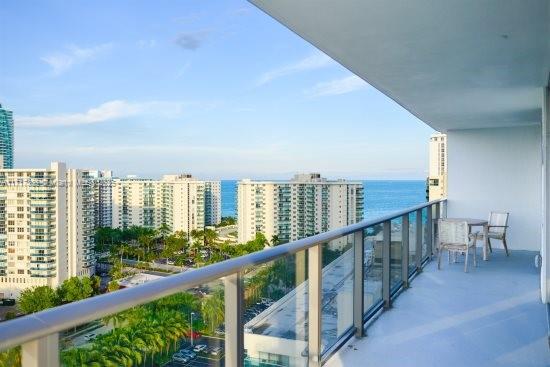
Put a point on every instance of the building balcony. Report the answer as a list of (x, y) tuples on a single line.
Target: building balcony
[(476, 70)]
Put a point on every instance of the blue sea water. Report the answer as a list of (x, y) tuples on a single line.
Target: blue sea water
[(381, 197)]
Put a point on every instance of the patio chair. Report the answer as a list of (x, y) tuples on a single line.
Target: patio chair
[(455, 237), (498, 224)]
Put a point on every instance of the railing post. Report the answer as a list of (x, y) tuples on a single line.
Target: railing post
[(418, 251), (43, 352), (234, 334), (358, 282), (386, 253), (429, 232), (435, 227), (315, 293), (405, 251)]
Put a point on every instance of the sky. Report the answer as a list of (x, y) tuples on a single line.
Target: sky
[(213, 88)]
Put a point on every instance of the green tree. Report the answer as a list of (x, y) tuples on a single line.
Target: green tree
[(227, 221), (113, 286), (213, 310), (37, 299), (75, 289), (11, 357), (96, 284)]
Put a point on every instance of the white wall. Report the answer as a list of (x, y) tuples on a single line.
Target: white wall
[(498, 169)]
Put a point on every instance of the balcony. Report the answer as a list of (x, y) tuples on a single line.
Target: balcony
[(489, 316), (476, 70), (357, 283)]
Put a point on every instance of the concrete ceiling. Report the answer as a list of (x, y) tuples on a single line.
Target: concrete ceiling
[(455, 64)]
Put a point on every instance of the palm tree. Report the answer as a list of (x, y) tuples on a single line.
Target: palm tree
[(213, 310), (11, 357), (83, 357)]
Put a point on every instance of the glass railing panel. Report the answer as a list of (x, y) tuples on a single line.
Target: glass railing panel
[(412, 242), (396, 252), (275, 312), (186, 327), (337, 284), (373, 267)]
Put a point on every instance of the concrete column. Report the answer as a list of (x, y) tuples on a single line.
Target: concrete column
[(545, 240), (43, 352)]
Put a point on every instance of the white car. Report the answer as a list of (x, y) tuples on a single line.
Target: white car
[(188, 352), (199, 348), (216, 351), (89, 337), (180, 357)]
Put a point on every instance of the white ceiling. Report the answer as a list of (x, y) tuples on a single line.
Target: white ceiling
[(455, 64)]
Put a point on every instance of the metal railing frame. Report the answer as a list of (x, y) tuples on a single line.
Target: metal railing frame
[(37, 333)]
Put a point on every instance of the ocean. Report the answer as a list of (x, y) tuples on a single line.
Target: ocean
[(381, 197)]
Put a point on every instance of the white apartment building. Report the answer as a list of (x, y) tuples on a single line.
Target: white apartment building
[(437, 171), (306, 205), (213, 203), (46, 227), (102, 186), (179, 201)]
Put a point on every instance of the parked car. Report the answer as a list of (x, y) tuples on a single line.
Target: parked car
[(90, 336), (199, 348), (189, 353), (180, 357), (7, 302), (216, 351), (170, 262)]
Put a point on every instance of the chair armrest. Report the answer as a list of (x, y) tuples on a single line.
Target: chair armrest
[(490, 226)]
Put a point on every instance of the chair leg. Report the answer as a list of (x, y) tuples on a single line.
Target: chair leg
[(505, 245), (490, 247), (475, 255), (466, 260), (439, 259)]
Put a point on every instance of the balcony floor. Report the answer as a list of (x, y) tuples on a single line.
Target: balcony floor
[(491, 316)]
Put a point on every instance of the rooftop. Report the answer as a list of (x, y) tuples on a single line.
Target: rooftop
[(491, 316)]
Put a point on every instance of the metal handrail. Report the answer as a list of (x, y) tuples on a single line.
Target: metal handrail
[(34, 326)]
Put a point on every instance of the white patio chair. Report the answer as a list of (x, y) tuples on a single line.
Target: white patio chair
[(455, 237), (498, 224)]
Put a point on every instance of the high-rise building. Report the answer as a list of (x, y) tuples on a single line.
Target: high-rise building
[(6, 137), (102, 182), (80, 223), (306, 205), (178, 201), (212, 203), (437, 172), (46, 224)]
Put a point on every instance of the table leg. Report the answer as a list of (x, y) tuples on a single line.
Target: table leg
[(485, 242)]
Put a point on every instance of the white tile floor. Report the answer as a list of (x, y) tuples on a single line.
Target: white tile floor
[(491, 316)]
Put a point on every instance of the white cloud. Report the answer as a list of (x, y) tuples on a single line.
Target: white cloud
[(316, 61), (60, 62), (338, 86), (112, 110)]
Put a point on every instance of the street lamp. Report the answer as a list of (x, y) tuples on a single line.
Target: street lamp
[(192, 314)]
